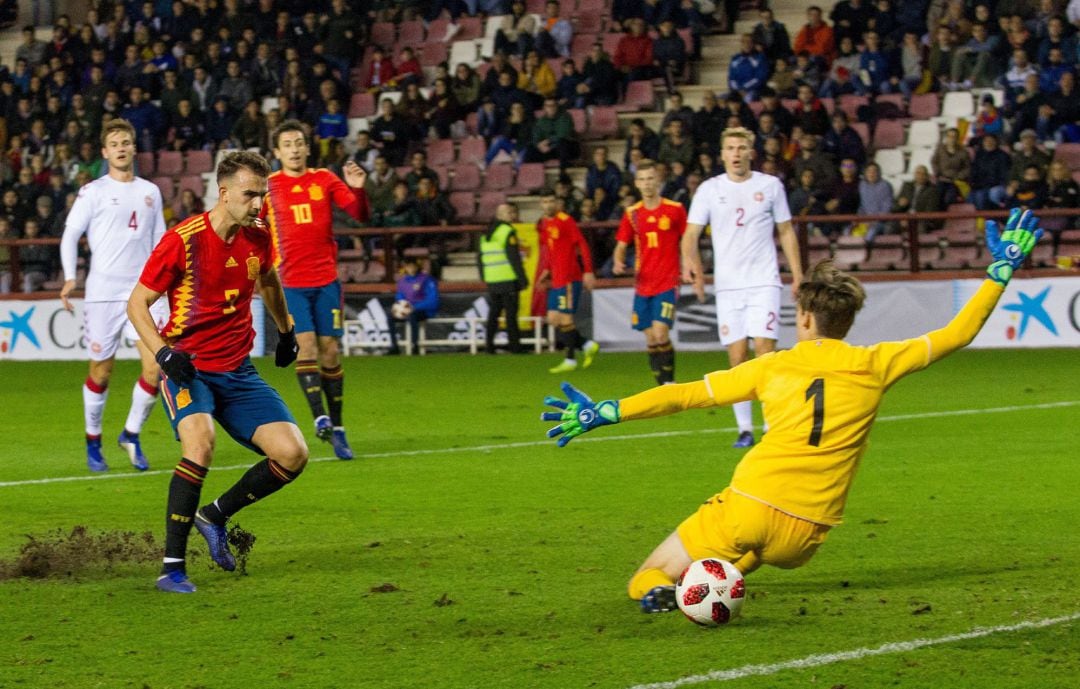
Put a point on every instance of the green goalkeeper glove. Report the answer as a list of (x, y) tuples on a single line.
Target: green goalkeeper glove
[(579, 415), (1010, 248)]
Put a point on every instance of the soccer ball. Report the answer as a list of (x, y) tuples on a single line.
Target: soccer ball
[(710, 592), (401, 309)]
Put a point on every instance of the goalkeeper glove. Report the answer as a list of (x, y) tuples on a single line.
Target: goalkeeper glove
[(1010, 248), (287, 348), (176, 365), (579, 415)]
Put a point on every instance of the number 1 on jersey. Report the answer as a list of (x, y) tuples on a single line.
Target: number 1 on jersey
[(817, 392)]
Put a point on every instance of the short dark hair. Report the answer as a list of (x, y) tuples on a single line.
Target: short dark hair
[(234, 161), (288, 126)]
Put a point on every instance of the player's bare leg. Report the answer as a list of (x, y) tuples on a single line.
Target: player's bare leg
[(661, 352), (333, 386), (95, 391), (654, 582), (144, 395), (307, 373)]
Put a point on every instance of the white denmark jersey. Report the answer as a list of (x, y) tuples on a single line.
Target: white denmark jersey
[(741, 216), (123, 223)]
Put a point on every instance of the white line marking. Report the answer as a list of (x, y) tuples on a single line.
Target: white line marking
[(539, 443), (817, 660)]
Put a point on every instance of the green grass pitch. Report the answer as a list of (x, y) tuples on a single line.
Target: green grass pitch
[(508, 558)]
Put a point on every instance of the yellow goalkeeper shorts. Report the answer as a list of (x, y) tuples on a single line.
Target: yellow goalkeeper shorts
[(730, 525)]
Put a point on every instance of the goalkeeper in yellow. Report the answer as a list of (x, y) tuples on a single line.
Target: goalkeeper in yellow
[(820, 398)]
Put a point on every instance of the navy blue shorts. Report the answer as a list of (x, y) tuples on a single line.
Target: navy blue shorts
[(316, 309), (564, 299), (659, 307), (240, 400)]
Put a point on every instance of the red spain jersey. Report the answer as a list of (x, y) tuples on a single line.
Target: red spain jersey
[(209, 283), (656, 234), (565, 244), (300, 215)]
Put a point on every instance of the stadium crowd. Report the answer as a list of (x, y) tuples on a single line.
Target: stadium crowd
[(208, 75)]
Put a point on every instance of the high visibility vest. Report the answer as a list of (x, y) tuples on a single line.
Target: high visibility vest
[(493, 259)]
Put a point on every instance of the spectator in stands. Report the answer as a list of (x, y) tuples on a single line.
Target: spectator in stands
[(204, 86), (707, 122), (443, 110), (739, 113), (676, 110), (50, 222), (602, 182), (816, 37), (675, 146), (843, 197), (390, 133), (536, 79), (1064, 111), (38, 261), (974, 63), (407, 71), (669, 54), (875, 198), (365, 152), (810, 157), (771, 36), (31, 49), (568, 196), (432, 206), (380, 71), (1062, 191), (402, 213), (466, 87), (555, 33), (1023, 107), (332, 124), (1051, 72), (419, 170), (553, 136), (990, 173), (773, 152), (422, 292), (874, 73), (952, 167), (771, 105), (634, 54), (412, 108), (988, 120), (768, 129), (601, 77), (571, 90), (939, 62), (12, 208), (515, 35), (748, 70), (1019, 69), (810, 115), (808, 197), (843, 77), (187, 205), (186, 130), (172, 92), (920, 195), (235, 86), (380, 186), (587, 212), (514, 137), (507, 93), (1026, 155), (842, 141), (1056, 37), (219, 123), (5, 256), (499, 64), (1030, 191), (851, 19)]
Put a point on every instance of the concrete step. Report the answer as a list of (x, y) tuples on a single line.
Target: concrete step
[(459, 274)]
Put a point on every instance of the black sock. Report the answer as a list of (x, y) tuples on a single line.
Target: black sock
[(654, 365), (333, 386), (307, 372), (665, 356), (184, 490), (265, 478), (571, 339)]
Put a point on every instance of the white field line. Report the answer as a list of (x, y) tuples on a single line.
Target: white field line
[(820, 659), (538, 443)]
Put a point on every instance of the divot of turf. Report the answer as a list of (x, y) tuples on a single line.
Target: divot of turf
[(61, 553), (241, 542)]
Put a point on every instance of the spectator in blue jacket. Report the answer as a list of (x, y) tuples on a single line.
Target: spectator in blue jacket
[(421, 291), (748, 70), (669, 53), (602, 182), (841, 141), (874, 65)]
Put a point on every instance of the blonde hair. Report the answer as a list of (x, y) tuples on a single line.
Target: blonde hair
[(833, 296), (737, 133), (117, 125)]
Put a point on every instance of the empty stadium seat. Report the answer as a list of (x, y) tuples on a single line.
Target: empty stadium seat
[(863, 130), (895, 99), (890, 160), (530, 178), (850, 104), (440, 152), (640, 95), (600, 6), (170, 163), (956, 257), (466, 177), (886, 252), (472, 150), (464, 203), (957, 104), (431, 54), (410, 35), (194, 183), (920, 156), (144, 164), (383, 34), (463, 52), (580, 121), (362, 104), (1069, 154), (960, 230), (819, 249), (924, 106), (582, 42), (888, 134), (923, 134), (850, 253), (603, 122), (499, 177), (470, 28), (167, 187), (198, 162), (587, 23), (486, 205)]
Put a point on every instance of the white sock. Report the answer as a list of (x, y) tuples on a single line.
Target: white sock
[(142, 402), (744, 416), (93, 408)]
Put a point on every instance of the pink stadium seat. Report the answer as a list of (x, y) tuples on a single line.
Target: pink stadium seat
[(431, 54), (581, 44), (198, 162), (819, 249), (850, 253), (440, 152), (436, 30), (1069, 245), (472, 122), (362, 104), (960, 230), (790, 104), (888, 134), (170, 163), (145, 164), (486, 205), (611, 42), (588, 23), (603, 123), (850, 104), (956, 257), (1068, 154), (194, 183), (472, 150), (924, 106), (464, 203), (535, 6), (471, 28), (383, 34), (896, 99), (639, 96), (499, 177), (530, 177), (443, 172), (592, 6), (580, 123), (166, 185), (886, 253), (411, 34), (1042, 256), (829, 104), (466, 177), (688, 40), (863, 129)]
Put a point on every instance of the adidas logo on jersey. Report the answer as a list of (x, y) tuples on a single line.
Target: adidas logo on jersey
[(296, 189), (231, 263)]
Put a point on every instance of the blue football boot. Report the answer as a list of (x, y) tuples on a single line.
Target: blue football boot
[(341, 445), (218, 541), (324, 428), (129, 443), (746, 439), (95, 461), (659, 599), (175, 581)]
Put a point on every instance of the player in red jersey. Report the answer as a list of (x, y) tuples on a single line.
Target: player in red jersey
[(656, 226), (569, 265), (299, 209), (210, 265)]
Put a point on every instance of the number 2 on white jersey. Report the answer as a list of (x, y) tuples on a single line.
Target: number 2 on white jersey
[(740, 213)]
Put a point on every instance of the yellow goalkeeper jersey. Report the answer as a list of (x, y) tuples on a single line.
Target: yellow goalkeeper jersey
[(819, 400)]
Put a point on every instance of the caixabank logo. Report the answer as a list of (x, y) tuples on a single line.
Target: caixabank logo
[(16, 331), (1030, 308)]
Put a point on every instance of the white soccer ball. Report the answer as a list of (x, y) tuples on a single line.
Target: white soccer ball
[(710, 592), (401, 309)]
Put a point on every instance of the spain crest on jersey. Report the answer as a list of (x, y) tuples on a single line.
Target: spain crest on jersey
[(315, 192), (665, 222), (253, 267)]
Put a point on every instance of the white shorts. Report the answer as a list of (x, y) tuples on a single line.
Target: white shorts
[(104, 322), (750, 312)]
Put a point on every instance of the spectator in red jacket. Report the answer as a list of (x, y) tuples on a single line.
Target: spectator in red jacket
[(816, 37), (408, 70), (634, 54), (380, 71)]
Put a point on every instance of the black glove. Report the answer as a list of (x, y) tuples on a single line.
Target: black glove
[(176, 365), (287, 348)]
